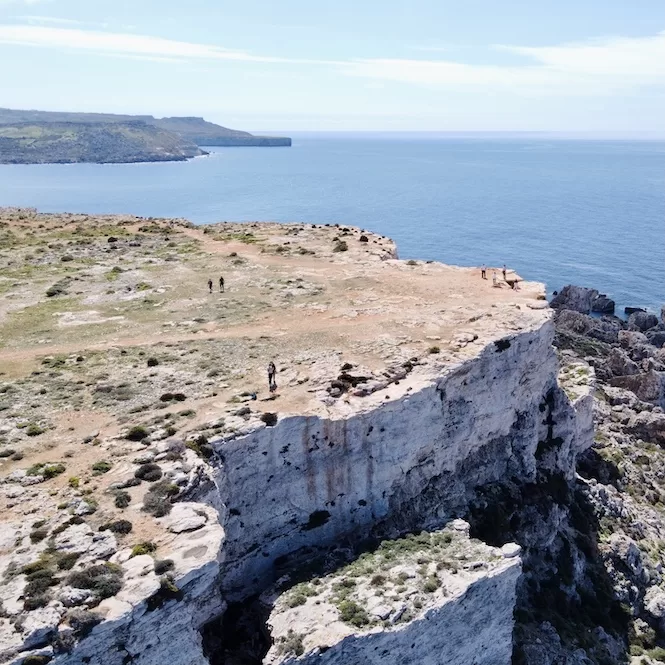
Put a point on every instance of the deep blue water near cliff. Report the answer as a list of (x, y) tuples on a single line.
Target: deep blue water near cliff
[(558, 211)]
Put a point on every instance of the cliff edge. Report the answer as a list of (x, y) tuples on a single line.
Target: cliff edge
[(158, 502)]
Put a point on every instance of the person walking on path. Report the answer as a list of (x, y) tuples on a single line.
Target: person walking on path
[(221, 285), (210, 285), (504, 272), (483, 271), (272, 370)]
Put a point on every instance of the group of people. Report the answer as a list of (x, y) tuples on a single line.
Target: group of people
[(272, 370), (221, 285), (495, 280)]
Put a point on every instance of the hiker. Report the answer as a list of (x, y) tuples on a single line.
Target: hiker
[(210, 285), (483, 271), (272, 370), (221, 285), (504, 272), (494, 278)]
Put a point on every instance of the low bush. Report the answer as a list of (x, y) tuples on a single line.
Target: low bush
[(122, 527), (164, 566), (270, 419), (150, 472), (38, 535), (145, 547), (104, 580), (83, 621), (137, 433), (122, 499), (351, 612), (101, 467)]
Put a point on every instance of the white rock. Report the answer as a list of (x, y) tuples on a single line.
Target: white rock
[(40, 624), (184, 517), (71, 597), (510, 550), (138, 566)]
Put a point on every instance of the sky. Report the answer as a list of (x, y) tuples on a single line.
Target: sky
[(371, 65)]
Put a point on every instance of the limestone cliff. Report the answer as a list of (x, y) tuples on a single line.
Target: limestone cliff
[(397, 493)]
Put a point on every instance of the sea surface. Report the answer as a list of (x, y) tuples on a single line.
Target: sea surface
[(588, 212)]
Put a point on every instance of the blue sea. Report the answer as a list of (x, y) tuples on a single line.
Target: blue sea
[(588, 212)]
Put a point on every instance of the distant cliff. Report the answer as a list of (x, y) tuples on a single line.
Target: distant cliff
[(192, 129), (100, 142)]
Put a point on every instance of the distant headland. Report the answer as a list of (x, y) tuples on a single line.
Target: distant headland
[(45, 137)]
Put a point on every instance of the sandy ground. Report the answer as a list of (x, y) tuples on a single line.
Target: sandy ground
[(310, 298)]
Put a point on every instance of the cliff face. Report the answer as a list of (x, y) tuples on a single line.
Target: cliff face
[(413, 460)]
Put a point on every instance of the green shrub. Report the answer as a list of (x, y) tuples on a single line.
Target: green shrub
[(152, 362), (101, 467), (150, 472), (137, 433), (35, 602), (168, 590), (340, 246), (74, 482), (296, 600), (104, 580), (291, 644), (36, 659), (378, 580), (122, 499), (201, 447), (38, 535), (122, 527), (351, 612), (156, 505), (431, 584), (34, 430), (434, 349), (270, 419), (66, 560), (143, 548), (83, 621), (164, 566)]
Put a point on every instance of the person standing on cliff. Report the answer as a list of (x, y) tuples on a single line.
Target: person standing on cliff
[(210, 285), (272, 370), (504, 272), (483, 271), (221, 285)]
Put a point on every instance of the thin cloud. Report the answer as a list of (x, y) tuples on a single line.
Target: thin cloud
[(600, 66), (111, 43), (49, 19), (595, 66), (23, 2)]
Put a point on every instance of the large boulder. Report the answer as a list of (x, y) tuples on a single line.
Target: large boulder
[(577, 298), (603, 305), (643, 320), (648, 386), (649, 426), (656, 338), (620, 364)]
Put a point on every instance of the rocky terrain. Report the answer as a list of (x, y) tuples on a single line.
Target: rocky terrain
[(423, 482), (621, 478), (102, 143)]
